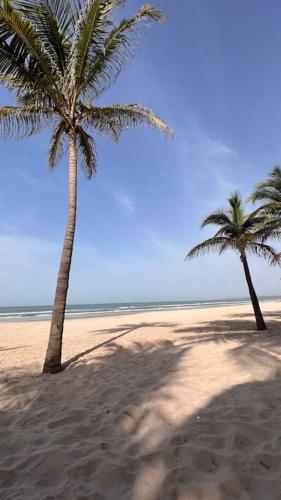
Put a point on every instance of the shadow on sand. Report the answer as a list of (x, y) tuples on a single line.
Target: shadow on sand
[(100, 429), (122, 331)]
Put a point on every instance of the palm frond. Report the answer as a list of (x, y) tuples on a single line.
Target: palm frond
[(254, 220), (23, 82), (23, 122), (52, 19), (264, 251), (219, 218), (36, 99), (23, 56), (87, 153), (58, 144), (270, 229), (270, 189), (235, 200), (15, 75), (15, 25), (236, 209), (228, 231), (272, 209), (216, 244), (266, 193), (113, 120), (88, 38), (21, 77), (117, 49)]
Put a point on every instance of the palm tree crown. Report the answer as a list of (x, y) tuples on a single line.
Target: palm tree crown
[(239, 231), (269, 191), (58, 57)]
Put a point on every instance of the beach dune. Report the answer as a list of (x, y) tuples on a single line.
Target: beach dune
[(178, 405)]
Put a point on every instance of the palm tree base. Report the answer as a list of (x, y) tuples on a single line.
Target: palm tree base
[(52, 369), (262, 328)]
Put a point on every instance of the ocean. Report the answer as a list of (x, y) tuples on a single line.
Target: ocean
[(31, 313)]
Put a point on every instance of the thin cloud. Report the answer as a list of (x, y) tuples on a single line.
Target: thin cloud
[(124, 200), (211, 169), (126, 203)]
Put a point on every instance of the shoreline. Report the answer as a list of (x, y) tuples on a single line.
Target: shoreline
[(104, 314)]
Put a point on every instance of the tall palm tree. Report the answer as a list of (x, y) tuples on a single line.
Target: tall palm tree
[(244, 233), (58, 57)]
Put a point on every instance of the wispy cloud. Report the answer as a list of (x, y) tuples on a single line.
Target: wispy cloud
[(125, 200), (210, 169), (126, 203)]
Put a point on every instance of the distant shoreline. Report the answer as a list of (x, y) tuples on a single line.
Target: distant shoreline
[(43, 313)]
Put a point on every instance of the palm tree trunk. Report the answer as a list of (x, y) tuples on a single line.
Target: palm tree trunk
[(255, 302), (53, 356)]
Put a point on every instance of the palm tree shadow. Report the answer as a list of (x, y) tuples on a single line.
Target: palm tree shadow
[(229, 330), (228, 449), (124, 329), (268, 314), (106, 424), (13, 348), (249, 347), (83, 421)]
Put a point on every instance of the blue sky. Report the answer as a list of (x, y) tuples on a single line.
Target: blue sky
[(212, 70)]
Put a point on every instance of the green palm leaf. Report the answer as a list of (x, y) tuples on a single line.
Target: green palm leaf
[(264, 251), (113, 120), (88, 37), (52, 19), (23, 122), (217, 244), (27, 36), (270, 189), (219, 218), (58, 144), (87, 151), (117, 49)]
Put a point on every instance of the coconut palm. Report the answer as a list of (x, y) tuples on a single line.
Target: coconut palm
[(58, 57), (245, 234), (269, 192)]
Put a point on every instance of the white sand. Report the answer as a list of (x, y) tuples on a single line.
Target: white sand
[(182, 406)]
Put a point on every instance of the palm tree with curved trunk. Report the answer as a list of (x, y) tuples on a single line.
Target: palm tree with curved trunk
[(58, 57), (244, 233)]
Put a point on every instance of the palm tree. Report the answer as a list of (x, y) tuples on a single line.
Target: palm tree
[(245, 234), (58, 57), (269, 192)]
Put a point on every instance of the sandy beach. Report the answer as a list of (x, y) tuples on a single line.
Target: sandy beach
[(178, 405)]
